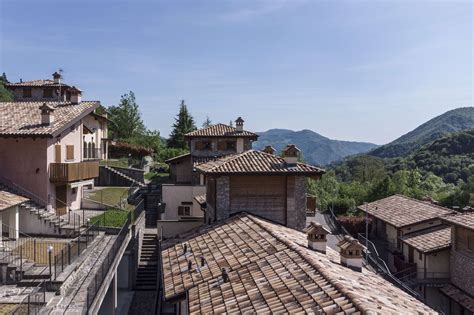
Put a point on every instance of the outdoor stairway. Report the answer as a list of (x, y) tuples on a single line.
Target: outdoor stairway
[(147, 267), (131, 180), (59, 223)]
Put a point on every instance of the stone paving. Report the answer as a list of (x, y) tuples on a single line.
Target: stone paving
[(74, 299)]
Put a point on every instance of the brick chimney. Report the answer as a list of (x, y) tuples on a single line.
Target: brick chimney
[(239, 124), (57, 77), (291, 154), (317, 237), (47, 116), (75, 95), (351, 253), (269, 149)]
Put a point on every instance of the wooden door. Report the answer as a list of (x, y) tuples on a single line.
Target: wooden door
[(61, 200)]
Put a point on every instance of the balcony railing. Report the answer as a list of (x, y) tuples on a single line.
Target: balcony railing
[(70, 172)]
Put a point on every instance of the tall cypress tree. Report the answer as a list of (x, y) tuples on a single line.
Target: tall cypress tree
[(183, 124), (207, 122)]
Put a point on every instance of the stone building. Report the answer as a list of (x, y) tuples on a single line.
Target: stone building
[(260, 183)]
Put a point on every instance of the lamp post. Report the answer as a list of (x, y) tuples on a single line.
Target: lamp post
[(50, 251)]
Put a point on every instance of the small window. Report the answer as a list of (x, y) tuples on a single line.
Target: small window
[(27, 92), (57, 153), (184, 210), (69, 152), (47, 93), (231, 145)]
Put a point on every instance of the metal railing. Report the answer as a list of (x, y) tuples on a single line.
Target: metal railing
[(23, 191), (32, 303), (74, 249), (99, 277)]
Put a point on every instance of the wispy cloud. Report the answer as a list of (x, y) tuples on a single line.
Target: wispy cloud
[(259, 8)]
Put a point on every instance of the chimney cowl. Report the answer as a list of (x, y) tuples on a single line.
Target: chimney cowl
[(269, 149), (76, 95), (316, 235), (57, 77), (47, 116), (351, 253), (239, 124), (291, 154)]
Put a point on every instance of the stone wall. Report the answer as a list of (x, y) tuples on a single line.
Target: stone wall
[(296, 202), (462, 265), (223, 197)]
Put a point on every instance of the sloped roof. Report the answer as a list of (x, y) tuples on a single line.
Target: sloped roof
[(220, 130), (430, 240), (400, 211), (24, 118), (270, 269), (459, 296), (200, 199), (256, 162), (465, 220), (8, 199), (37, 83)]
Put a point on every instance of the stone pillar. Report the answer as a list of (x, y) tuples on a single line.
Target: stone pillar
[(296, 202), (290, 202), (223, 197), (240, 145), (14, 222)]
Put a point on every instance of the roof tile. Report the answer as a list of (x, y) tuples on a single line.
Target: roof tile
[(220, 130)]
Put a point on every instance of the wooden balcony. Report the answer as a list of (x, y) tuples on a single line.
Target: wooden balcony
[(71, 172)]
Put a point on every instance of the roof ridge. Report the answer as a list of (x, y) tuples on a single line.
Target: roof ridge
[(424, 202), (229, 158)]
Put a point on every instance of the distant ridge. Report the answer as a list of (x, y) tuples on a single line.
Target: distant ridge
[(452, 121), (316, 148)]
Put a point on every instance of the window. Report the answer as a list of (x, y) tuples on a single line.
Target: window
[(57, 153), (420, 255), (69, 152), (47, 93), (231, 145), (184, 210), (27, 92), (203, 145)]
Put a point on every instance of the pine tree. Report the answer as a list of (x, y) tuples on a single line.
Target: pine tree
[(206, 122), (184, 123), (5, 95), (126, 117)]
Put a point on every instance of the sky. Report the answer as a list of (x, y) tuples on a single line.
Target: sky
[(349, 70)]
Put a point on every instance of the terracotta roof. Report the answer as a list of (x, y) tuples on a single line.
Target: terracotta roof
[(200, 199), (462, 219), (196, 160), (270, 269), (24, 118), (429, 240), (220, 130), (256, 162), (7, 200), (459, 296), (400, 211), (37, 83)]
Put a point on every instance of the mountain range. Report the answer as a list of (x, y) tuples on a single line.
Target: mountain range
[(316, 148), (321, 150)]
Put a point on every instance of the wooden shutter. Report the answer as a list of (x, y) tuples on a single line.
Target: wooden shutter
[(57, 153), (70, 152)]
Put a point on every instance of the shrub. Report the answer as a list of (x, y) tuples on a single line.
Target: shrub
[(352, 224)]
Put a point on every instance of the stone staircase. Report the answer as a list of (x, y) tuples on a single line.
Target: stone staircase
[(60, 225), (124, 176), (148, 265)]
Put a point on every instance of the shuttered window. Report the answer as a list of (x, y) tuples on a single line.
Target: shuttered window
[(69, 152), (184, 210), (57, 153)]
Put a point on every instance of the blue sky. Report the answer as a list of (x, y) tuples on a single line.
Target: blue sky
[(350, 70)]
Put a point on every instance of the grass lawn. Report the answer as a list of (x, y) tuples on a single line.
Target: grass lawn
[(111, 196), (122, 162), (157, 177), (111, 218)]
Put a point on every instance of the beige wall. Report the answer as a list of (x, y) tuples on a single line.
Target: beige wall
[(420, 226), (438, 263), (174, 195), (171, 228)]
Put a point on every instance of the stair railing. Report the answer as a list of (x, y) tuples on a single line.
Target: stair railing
[(17, 245), (23, 191)]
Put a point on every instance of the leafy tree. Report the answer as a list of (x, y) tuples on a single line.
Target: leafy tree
[(150, 139), (184, 123), (127, 121), (206, 122), (5, 95)]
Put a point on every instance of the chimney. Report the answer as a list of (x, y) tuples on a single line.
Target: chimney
[(75, 95), (269, 149), (56, 77), (47, 117), (291, 154), (239, 124), (317, 237), (190, 265), (351, 253)]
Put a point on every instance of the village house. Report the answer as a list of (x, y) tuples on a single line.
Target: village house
[(260, 183), (205, 145), (460, 290), (246, 264), (50, 151)]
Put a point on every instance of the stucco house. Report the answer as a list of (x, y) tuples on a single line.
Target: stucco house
[(49, 151)]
